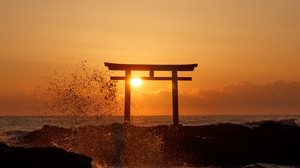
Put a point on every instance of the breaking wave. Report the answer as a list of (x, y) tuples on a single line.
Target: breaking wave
[(289, 122)]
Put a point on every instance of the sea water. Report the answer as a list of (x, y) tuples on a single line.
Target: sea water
[(30, 123)]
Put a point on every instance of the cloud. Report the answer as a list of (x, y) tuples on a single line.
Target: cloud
[(279, 97)]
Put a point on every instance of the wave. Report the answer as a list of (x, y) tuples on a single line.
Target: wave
[(265, 165), (289, 122), (12, 137)]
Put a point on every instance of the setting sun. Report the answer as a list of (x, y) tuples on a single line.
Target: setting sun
[(136, 82)]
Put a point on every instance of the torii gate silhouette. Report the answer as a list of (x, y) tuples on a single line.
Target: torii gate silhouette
[(151, 68)]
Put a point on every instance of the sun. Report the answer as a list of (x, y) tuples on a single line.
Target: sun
[(136, 82)]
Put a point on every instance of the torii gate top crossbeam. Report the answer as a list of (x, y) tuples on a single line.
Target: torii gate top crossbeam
[(151, 68)]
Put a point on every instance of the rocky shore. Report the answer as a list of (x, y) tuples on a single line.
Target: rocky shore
[(37, 157), (225, 145)]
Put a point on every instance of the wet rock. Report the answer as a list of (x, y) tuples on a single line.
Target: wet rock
[(3, 146), (50, 157), (224, 145)]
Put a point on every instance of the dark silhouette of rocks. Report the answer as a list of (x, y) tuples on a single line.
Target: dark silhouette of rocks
[(50, 157), (223, 145), (3, 146)]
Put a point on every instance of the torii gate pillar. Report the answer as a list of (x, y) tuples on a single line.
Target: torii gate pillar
[(175, 98), (127, 97), (151, 68)]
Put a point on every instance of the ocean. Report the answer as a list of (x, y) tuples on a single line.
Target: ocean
[(30, 123), (52, 130)]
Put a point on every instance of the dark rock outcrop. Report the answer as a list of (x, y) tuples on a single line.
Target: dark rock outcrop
[(50, 157), (230, 145), (224, 145)]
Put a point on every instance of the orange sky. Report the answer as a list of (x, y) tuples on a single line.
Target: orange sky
[(232, 41)]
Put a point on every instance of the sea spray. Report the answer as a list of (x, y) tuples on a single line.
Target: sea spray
[(78, 91), (114, 145)]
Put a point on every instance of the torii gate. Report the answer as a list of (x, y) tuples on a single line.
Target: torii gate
[(151, 68)]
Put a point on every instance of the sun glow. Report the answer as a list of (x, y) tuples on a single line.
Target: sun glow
[(136, 82)]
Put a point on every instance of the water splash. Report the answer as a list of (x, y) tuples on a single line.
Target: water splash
[(84, 91), (114, 145), (78, 91)]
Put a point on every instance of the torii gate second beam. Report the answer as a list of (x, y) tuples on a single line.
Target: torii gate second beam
[(151, 68)]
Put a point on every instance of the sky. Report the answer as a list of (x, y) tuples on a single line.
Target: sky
[(247, 51)]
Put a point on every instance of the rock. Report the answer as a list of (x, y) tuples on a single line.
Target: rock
[(221, 145), (3, 146), (50, 157)]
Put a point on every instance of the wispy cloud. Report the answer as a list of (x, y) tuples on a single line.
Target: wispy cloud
[(279, 97)]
